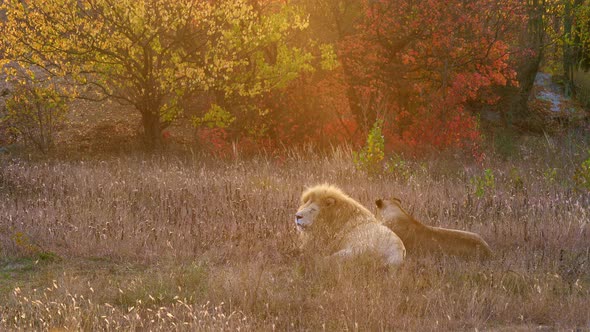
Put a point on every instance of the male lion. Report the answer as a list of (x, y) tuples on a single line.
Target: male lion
[(419, 238), (337, 225)]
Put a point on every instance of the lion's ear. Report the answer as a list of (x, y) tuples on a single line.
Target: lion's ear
[(306, 198), (330, 201), (399, 201), (379, 203)]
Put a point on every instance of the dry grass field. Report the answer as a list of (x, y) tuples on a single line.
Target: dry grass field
[(194, 243)]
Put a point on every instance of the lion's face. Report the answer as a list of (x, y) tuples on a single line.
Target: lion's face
[(309, 211), (390, 212)]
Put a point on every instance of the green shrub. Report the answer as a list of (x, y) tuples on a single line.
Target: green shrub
[(398, 166), (371, 157), (516, 180), (483, 184), (582, 175), (550, 174)]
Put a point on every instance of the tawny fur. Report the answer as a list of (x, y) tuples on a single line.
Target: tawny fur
[(419, 238), (345, 228)]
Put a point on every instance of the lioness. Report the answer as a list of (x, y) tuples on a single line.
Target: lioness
[(419, 238), (336, 225)]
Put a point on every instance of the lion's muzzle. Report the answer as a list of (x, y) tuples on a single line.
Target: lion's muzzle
[(299, 221)]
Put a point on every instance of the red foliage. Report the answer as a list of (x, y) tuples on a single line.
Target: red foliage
[(215, 141), (344, 131), (418, 63)]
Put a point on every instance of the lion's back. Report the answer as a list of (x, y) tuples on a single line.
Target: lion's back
[(459, 242), (377, 238)]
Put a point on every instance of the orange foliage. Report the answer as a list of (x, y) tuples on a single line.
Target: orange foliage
[(416, 64)]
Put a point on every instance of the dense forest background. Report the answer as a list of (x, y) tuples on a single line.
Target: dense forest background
[(252, 75)]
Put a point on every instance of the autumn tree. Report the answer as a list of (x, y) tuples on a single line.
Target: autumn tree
[(419, 63), (151, 53), (279, 117), (333, 21)]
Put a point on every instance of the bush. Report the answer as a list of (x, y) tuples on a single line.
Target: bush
[(582, 175), (483, 184), (398, 166), (370, 158), (36, 113)]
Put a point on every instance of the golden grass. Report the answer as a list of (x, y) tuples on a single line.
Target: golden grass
[(190, 243)]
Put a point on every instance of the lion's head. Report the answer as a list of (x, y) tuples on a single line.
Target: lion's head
[(324, 207), (391, 213)]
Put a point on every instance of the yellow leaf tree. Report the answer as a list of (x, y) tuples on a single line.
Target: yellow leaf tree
[(150, 53)]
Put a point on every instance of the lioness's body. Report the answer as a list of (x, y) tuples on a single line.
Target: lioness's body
[(419, 238), (336, 225)]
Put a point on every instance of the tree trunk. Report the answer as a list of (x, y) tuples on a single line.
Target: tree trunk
[(571, 52), (357, 110), (515, 99), (365, 115), (568, 52), (152, 130)]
